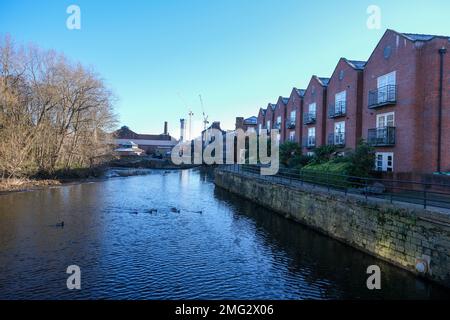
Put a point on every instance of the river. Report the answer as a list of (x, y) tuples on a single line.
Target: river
[(218, 246)]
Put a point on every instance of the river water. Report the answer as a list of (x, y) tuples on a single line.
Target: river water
[(218, 246)]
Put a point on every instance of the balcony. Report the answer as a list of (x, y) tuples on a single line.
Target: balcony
[(381, 137), (337, 139), (277, 126), (309, 142), (290, 124), (309, 118), (337, 110), (383, 96)]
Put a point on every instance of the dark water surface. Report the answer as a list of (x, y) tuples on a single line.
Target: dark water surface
[(232, 250)]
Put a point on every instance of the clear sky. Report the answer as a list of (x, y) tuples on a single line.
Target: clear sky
[(239, 54)]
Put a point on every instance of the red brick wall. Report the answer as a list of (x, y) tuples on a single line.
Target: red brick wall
[(429, 71), (403, 60), (352, 83), (261, 119), (295, 103), (315, 93), (269, 116), (280, 111)]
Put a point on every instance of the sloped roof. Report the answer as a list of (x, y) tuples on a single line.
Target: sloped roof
[(300, 92), (324, 81), (251, 120), (126, 133), (285, 100), (422, 37), (357, 65)]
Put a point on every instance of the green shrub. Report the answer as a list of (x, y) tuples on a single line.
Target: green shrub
[(328, 173), (323, 154), (361, 160), (288, 152)]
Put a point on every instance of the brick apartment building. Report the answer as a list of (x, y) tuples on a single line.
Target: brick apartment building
[(280, 118), (403, 115), (398, 101), (246, 124), (261, 120), (344, 102), (269, 116), (294, 111), (314, 114)]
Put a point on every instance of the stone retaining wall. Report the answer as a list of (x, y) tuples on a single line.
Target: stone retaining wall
[(407, 236)]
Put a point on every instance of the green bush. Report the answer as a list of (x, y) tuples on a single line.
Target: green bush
[(323, 154), (329, 173), (361, 160), (288, 152)]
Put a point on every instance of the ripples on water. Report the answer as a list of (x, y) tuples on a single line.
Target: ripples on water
[(233, 249)]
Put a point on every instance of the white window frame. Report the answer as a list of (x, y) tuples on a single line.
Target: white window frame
[(311, 136), (293, 115), (268, 124), (292, 136), (385, 166), (338, 98), (312, 108), (338, 138), (385, 116)]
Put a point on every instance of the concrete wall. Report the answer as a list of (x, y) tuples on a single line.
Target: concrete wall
[(403, 236)]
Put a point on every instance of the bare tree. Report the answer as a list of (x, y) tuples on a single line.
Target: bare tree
[(53, 113)]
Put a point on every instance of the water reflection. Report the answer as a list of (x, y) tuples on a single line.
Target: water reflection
[(217, 247)]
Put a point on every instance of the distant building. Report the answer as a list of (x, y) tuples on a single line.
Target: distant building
[(149, 143), (246, 124), (129, 149)]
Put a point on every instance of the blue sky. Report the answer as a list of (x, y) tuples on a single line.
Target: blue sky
[(239, 54)]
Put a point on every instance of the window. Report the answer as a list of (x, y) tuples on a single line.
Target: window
[(268, 125), (386, 120), (292, 136), (310, 154), (339, 133), (278, 120), (384, 161), (311, 137), (384, 86), (293, 116), (312, 108), (340, 102)]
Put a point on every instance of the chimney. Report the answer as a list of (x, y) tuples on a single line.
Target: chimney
[(239, 123), (165, 127), (182, 129)]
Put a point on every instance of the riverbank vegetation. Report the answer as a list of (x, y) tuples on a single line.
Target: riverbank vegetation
[(55, 115), (326, 159)]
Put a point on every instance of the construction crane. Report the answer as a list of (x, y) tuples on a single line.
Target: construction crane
[(205, 117)]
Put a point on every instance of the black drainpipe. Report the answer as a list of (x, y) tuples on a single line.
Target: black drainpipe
[(442, 52)]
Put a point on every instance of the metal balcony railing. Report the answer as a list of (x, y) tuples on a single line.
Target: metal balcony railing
[(337, 139), (337, 110), (277, 125), (383, 96), (381, 137), (309, 142), (290, 124), (309, 118)]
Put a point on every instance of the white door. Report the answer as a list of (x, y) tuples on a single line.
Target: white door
[(384, 161)]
